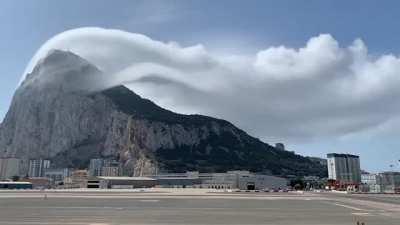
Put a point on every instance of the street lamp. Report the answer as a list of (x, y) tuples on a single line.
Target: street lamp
[(392, 175)]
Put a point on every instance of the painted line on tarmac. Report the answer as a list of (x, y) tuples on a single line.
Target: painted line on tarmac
[(361, 214), (349, 207), (149, 200)]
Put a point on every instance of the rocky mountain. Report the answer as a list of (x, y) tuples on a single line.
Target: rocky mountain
[(58, 113)]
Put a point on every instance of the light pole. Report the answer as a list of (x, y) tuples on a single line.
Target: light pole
[(392, 175)]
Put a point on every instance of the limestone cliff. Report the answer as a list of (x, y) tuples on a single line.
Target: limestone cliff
[(58, 113)]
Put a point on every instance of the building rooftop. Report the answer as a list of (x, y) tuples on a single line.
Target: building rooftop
[(126, 178), (331, 155), (14, 182), (177, 178)]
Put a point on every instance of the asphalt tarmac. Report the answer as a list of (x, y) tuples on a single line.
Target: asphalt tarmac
[(199, 209)]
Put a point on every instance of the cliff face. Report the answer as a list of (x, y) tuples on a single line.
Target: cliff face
[(56, 113)]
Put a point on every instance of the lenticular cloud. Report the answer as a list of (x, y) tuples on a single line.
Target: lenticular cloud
[(321, 89)]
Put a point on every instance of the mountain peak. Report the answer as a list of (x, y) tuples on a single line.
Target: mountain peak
[(63, 111), (64, 69), (63, 57)]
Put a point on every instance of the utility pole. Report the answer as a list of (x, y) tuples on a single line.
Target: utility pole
[(392, 175)]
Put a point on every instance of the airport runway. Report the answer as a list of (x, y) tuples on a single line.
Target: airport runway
[(184, 209)]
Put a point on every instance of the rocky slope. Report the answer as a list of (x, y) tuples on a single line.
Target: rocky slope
[(57, 114)]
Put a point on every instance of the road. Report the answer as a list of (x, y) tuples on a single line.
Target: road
[(200, 209)]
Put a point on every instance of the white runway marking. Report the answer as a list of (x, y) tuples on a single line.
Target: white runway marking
[(349, 207), (149, 200), (360, 214)]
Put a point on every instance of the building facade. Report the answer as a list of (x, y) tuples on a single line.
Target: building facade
[(371, 183), (126, 182), (38, 182), (344, 168), (111, 171), (57, 176), (104, 167), (386, 182), (95, 167), (243, 180), (37, 167), (390, 182), (227, 180), (9, 167)]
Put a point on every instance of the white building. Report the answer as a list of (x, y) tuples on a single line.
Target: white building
[(227, 180), (37, 167), (9, 167), (344, 168), (372, 183), (386, 182), (390, 182)]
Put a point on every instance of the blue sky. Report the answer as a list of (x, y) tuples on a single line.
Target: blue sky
[(230, 26)]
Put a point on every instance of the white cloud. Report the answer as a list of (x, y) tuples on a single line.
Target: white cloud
[(319, 90)]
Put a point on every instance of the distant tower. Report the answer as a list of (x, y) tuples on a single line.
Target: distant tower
[(280, 146), (37, 167), (344, 168)]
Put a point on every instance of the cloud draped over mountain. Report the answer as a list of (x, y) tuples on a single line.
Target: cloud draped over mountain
[(320, 90)]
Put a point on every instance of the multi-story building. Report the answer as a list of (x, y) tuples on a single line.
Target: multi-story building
[(95, 167), (371, 183), (37, 167), (386, 182), (111, 171), (9, 167), (390, 182), (104, 167), (344, 168)]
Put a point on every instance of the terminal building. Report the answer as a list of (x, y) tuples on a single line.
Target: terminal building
[(124, 182), (243, 180), (178, 180), (344, 169)]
